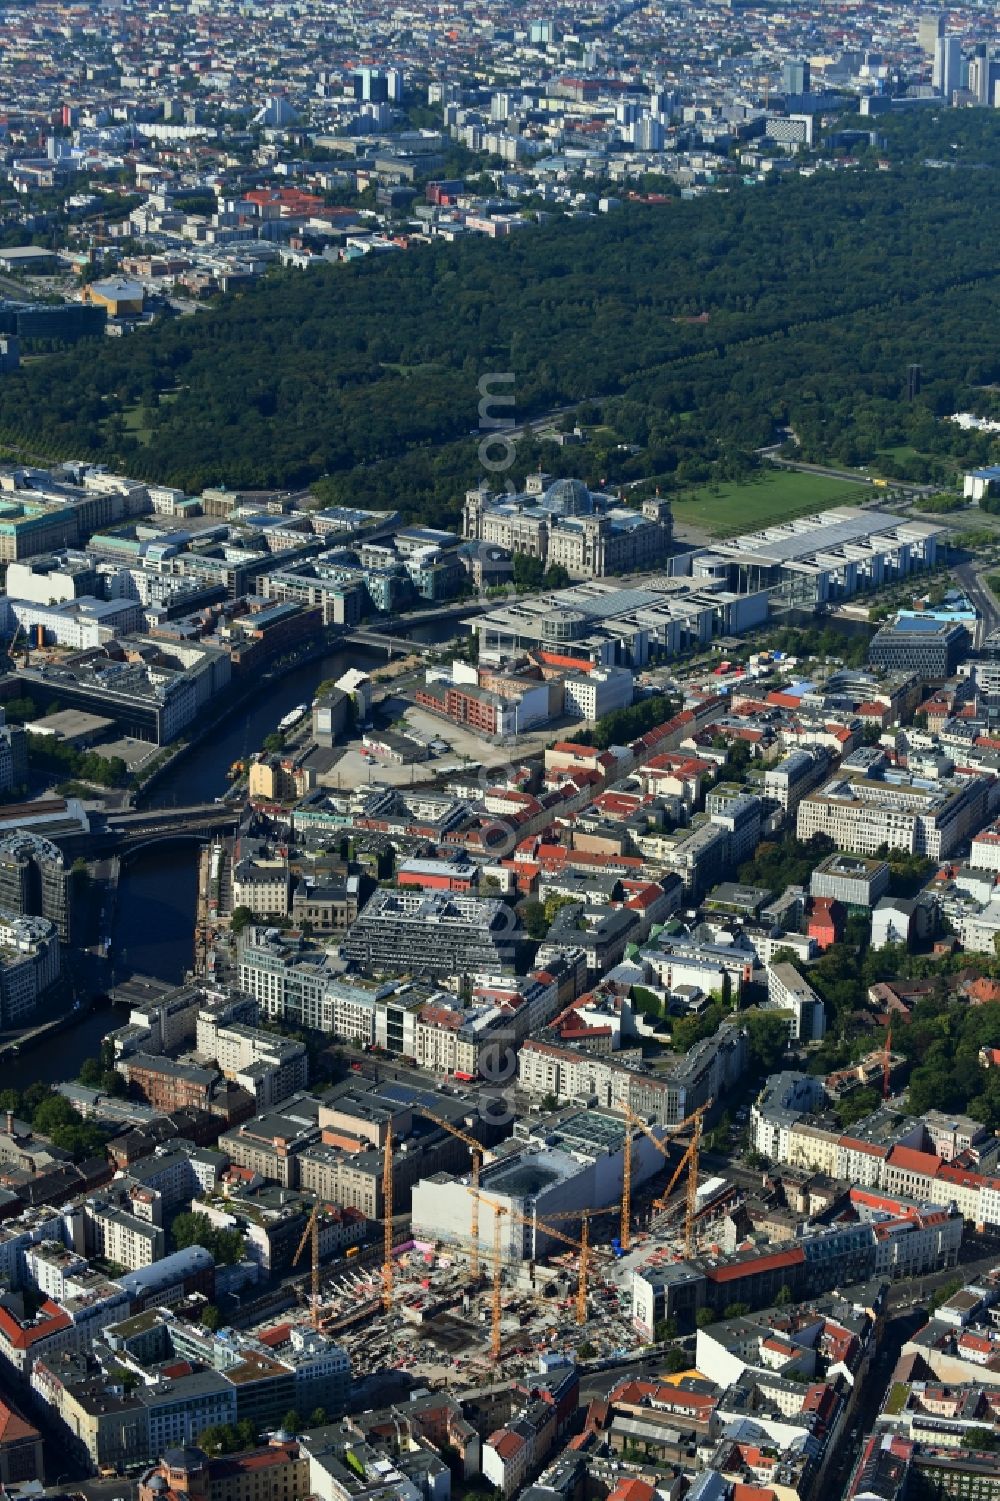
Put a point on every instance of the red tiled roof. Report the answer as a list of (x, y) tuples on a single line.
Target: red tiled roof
[(22, 1337), (506, 1443), (751, 1265), (743, 1492), (632, 1490), (280, 1334), (13, 1427), (869, 1148), (911, 1161)]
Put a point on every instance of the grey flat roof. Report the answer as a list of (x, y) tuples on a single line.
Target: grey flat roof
[(27, 253), (828, 531)]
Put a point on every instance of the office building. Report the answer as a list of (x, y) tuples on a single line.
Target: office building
[(981, 483), (298, 984), (327, 907), (947, 76), (740, 813), (863, 813), (920, 644), (35, 881), (167, 1083), (851, 879), (930, 30), (272, 1144), (795, 76), (604, 623), (571, 1161), (829, 556), (151, 687), (787, 783), (13, 756), (262, 885), (30, 962), (818, 1261), (594, 694), (984, 78)]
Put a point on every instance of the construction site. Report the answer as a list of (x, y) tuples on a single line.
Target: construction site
[(516, 1283)]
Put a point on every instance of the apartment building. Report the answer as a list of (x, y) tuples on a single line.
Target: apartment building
[(289, 979), (162, 1023), (780, 1106), (787, 990), (448, 1039), (399, 932), (177, 1173), (262, 885), (93, 1301), (269, 1067), (547, 1068), (789, 781), (117, 1236)]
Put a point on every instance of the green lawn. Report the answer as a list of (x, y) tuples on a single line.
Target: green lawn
[(776, 495), (133, 423), (900, 451), (132, 417)]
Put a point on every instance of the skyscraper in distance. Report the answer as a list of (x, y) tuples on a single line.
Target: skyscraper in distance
[(929, 29), (947, 65), (795, 76)]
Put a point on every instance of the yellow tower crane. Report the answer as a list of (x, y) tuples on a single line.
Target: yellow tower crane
[(582, 1245), (689, 1161), (660, 1143), (536, 1222), (497, 1300), (387, 1225), (312, 1230), (476, 1151)]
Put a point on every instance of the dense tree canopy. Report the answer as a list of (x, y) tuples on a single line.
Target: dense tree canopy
[(819, 294), (225, 1246), (52, 1116)]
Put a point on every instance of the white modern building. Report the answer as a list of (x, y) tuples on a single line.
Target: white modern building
[(787, 990), (594, 694)]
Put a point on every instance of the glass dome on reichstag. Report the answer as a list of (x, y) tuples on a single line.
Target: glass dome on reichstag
[(569, 497)]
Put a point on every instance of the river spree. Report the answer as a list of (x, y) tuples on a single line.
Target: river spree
[(153, 931)]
